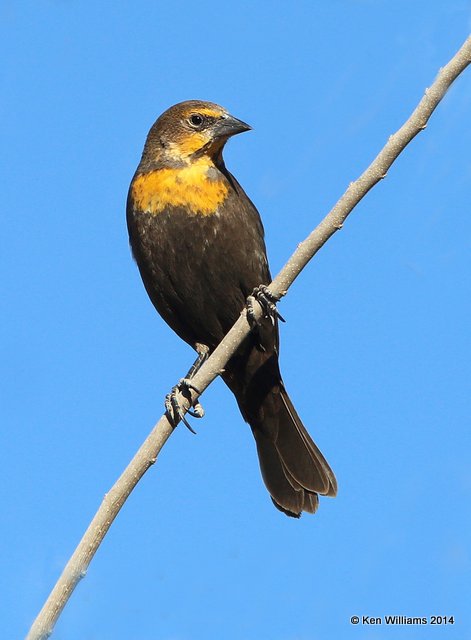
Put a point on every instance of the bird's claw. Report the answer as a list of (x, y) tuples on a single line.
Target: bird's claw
[(173, 408), (267, 301)]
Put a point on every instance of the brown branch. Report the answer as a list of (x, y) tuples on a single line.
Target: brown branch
[(147, 454)]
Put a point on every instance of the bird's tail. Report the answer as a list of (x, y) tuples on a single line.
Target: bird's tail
[(294, 470)]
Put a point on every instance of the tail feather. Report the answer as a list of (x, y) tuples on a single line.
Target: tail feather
[(293, 469), (298, 450), (283, 491)]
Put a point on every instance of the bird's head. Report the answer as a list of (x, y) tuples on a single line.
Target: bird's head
[(189, 130)]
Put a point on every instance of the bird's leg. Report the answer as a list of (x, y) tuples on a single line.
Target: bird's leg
[(203, 354), (184, 386), (268, 303)]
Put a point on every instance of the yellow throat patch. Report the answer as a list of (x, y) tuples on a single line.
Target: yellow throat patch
[(188, 187)]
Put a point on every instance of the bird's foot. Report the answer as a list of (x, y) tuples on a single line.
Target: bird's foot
[(267, 301), (173, 408)]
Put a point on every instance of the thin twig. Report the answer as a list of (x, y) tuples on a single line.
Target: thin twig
[(147, 454)]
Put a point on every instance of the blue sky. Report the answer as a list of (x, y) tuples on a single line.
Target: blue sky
[(375, 352)]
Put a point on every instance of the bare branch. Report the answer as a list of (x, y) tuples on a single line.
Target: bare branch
[(147, 454)]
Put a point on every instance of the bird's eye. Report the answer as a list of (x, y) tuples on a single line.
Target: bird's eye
[(196, 120)]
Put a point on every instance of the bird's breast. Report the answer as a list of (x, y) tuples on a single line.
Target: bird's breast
[(199, 188)]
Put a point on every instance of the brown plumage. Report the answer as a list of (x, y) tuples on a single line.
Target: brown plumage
[(199, 244)]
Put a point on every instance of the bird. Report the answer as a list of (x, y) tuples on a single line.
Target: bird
[(198, 242)]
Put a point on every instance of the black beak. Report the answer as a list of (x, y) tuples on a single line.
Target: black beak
[(229, 126)]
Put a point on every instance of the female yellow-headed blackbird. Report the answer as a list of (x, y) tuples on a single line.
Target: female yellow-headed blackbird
[(199, 244)]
